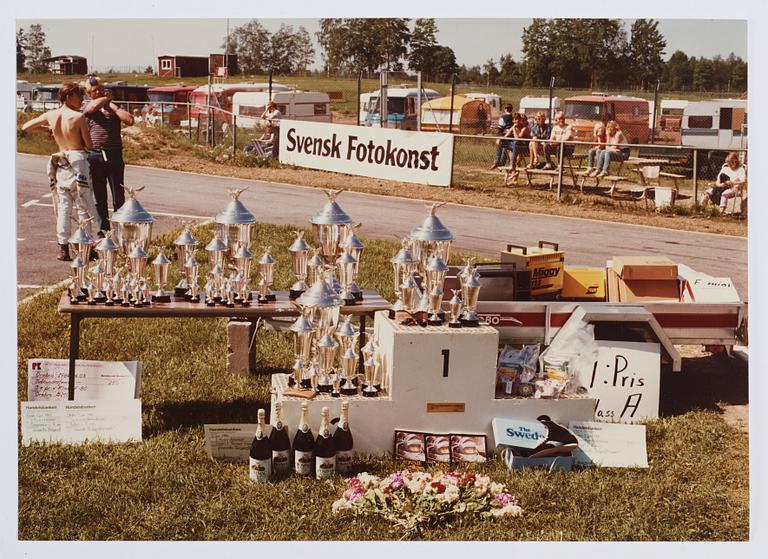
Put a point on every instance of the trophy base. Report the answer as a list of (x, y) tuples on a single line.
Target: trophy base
[(117, 300), (325, 388), (82, 297), (217, 299), (470, 323), (349, 391), (180, 291), (109, 303), (73, 301), (125, 304), (349, 302), (306, 384), (161, 298), (335, 395), (138, 304), (358, 295), (370, 392), (193, 299), (436, 322), (100, 299), (454, 325), (229, 305), (92, 302), (294, 294), (210, 303), (271, 298), (245, 303), (263, 301), (291, 381)]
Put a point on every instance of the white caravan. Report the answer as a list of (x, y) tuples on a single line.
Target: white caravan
[(531, 105), (719, 124), (296, 105), (493, 100)]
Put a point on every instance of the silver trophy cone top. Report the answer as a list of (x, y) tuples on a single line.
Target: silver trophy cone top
[(409, 282), (404, 256), (436, 264), (320, 295), (106, 244), (186, 238), (132, 211), (299, 245), (352, 241), (161, 259), (216, 245), (345, 329), (456, 297), (315, 260), (302, 325), (327, 341), (243, 252), (138, 252), (235, 213), (346, 258), (473, 279), (431, 229), (81, 236), (191, 262), (266, 258), (77, 262), (331, 213)]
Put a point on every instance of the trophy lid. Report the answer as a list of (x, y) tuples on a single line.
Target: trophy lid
[(327, 341), (473, 279), (81, 235), (266, 258), (235, 213), (353, 241), (161, 260), (431, 229), (138, 252), (319, 295), (436, 264), (132, 211), (106, 244), (216, 245), (456, 299), (331, 213), (299, 245), (346, 330), (409, 282), (346, 258), (186, 238), (302, 325), (315, 260), (243, 253), (77, 262), (403, 256), (191, 262)]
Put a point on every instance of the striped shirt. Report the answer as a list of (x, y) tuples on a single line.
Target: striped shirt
[(105, 130)]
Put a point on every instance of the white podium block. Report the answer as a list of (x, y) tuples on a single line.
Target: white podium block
[(437, 380)]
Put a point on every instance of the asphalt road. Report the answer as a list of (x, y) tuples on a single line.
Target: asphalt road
[(172, 196)]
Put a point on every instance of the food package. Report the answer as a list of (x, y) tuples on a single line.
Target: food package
[(516, 370)]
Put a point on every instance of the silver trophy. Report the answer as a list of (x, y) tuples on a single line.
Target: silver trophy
[(436, 271), (267, 271), (470, 291), (303, 333), (370, 366), (217, 256), (186, 244), (455, 306), (118, 284), (81, 241), (403, 264), (299, 250), (107, 249), (160, 267), (355, 247), (409, 291), (243, 258), (132, 223), (347, 336), (235, 223), (109, 292), (346, 265), (330, 228), (315, 267), (191, 274), (98, 277), (322, 305), (137, 265), (326, 350)]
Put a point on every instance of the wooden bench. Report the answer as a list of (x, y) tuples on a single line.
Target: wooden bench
[(674, 176), (613, 180)]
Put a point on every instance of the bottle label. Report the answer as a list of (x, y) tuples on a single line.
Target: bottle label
[(324, 467), (344, 461), (303, 463), (259, 470), (281, 460)]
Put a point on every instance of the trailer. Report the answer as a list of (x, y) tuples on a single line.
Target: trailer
[(719, 124), (295, 105)]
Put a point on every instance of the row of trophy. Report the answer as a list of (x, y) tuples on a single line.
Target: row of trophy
[(424, 255)]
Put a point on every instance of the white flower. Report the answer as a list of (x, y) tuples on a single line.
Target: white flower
[(368, 480), (496, 488)]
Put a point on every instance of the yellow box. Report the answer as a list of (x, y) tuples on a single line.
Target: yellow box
[(583, 284), (544, 262)]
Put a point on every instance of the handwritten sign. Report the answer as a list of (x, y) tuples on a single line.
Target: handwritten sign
[(609, 444), (625, 380), (48, 380), (710, 290), (518, 432), (77, 422), (230, 442)]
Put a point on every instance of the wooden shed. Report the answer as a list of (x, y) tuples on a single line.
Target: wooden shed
[(223, 64), (67, 64), (171, 65)]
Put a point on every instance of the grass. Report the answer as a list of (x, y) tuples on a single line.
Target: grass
[(166, 488)]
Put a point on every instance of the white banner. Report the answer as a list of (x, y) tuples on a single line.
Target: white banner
[(419, 157)]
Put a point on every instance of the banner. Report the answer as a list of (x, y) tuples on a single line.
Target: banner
[(399, 155)]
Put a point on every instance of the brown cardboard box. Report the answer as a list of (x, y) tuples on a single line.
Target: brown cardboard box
[(631, 291), (612, 285), (645, 268), (583, 284)]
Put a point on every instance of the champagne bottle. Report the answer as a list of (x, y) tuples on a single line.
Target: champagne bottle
[(279, 442), (303, 444), (342, 440), (260, 462), (325, 452)]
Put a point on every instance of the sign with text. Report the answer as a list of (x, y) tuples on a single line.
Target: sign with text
[(609, 445), (230, 442), (521, 433), (399, 155), (625, 380), (76, 422), (48, 379)]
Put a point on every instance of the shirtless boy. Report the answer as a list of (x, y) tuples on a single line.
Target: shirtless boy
[(69, 171)]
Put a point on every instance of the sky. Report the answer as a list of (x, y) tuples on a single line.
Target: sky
[(138, 42)]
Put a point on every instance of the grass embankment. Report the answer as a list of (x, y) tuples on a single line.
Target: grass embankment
[(166, 488)]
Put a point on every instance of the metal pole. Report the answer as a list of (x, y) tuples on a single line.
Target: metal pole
[(234, 135), (359, 80), (695, 179), (418, 101), (560, 170), (453, 92), (270, 85), (162, 114), (551, 88), (383, 86), (189, 119), (655, 105), (208, 102)]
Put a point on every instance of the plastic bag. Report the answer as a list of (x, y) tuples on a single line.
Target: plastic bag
[(569, 357), (517, 368)]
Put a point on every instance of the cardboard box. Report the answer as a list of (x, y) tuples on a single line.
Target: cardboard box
[(631, 291), (644, 267), (583, 284), (612, 285), (545, 264)]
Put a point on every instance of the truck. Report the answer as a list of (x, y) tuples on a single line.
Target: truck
[(583, 112), (494, 102), (296, 105)]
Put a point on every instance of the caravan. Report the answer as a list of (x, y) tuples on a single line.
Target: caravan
[(401, 107), (531, 105), (493, 101), (296, 105), (221, 96), (719, 124)]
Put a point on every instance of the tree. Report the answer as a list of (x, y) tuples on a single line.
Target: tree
[(646, 48), (444, 64), (536, 52), (331, 41), (678, 72), (21, 58), (251, 42), (35, 49), (394, 37), (491, 72), (703, 74), (738, 75), (510, 73), (303, 50), (423, 46)]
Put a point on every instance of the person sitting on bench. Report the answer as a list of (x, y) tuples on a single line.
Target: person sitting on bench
[(601, 138), (612, 151), (561, 132), (540, 134)]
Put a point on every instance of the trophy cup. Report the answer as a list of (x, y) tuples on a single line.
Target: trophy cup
[(314, 267), (228, 294), (217, 256), (336, 392), (403, 263), (436, 270), (107, 249), (355, 247), (243, 258), (186, 244), (126, 290), (347, 335), (320, 300), (98, 274), (369, 366), (137, 261), (133, 224), (78, 267), (81, 241), (210, 291), (312, 375), (470, 291), (455, 305), (299, 250), (330, 228), (160, 267), (409, 291), (346, 264), (235, 223), (303, 332), (93, 292), (326, 349), (429, 239), (109, 292), (144, 290), (190, 275), (267, 270)]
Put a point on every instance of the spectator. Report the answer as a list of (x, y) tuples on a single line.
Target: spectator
[(104, 120), (68, 171), (561, 132), (262, 146), (520, 131), (539, 133), (613, 151), (137, 118), (272, 115), (152, 117), (601, 138), (504, 125), (731, 180), (482, 118)]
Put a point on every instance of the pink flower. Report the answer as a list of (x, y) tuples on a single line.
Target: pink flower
[(353, 494), (505, 499), (439, 487)]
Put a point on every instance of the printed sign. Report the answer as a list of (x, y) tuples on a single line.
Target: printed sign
[(76, 422), (418, 157), (609, 444), (230, 442), (518, 432), (625, 380), (48, 380)]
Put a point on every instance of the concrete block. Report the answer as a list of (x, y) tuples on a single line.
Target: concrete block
[(239, 360)]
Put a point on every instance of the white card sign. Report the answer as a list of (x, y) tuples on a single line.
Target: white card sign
[(609, 444), (76, 422), (625, 380), (48, 380), (230, 442), (518, 432)]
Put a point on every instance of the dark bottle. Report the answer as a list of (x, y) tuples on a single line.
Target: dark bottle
[(325, 451), (279, 442), (342, 441), (260, 462), (303, 444)]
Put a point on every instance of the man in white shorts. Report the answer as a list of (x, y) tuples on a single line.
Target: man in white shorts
[(68, 170)]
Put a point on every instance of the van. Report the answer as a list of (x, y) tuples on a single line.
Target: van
[(583, 112), (401, 107), (296, 105), (221, 97), (531, 105)]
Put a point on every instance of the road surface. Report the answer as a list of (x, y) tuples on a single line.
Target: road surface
[(172, 196)]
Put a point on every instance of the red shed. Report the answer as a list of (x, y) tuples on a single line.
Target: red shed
[(218, 62), (67, 64), (170, 65)]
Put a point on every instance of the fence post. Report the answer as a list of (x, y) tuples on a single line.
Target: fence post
[(189, 120), (162, 114), (357, 111), (695, 176), (560, 169), (453, 92), (234, 135), (453, 162)]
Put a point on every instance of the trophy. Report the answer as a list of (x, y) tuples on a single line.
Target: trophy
[(228, 294), (210, 292), (355, 247), (329, 226), (303, 333), (118, 283), (217, 255), (106, 249), (409, 292), (326, 349), (455, 305), (346, 264), (267, 271), (81, 241), (243, 258), (347, 335), (186, 244), (190, 274), (78, 291), (403, 263), (235, 223), (436, 270), (312, 374), (430, 238), (299, 258), (314, 267), (160, 267), (322, 305), (98, 273), (109, 292), (470, 291), (137, 261), (133, 224), (369, 366)]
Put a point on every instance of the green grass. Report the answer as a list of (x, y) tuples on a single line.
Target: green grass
[(166, 488)]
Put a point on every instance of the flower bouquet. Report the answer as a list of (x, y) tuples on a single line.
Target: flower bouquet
[(412, 500)]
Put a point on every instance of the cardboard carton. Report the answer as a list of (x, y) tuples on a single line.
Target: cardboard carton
[(583, 284), (644, 267), (631, 291)]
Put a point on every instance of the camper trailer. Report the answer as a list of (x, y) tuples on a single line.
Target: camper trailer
[(670, 116), (401, 107), (46, 98), (470, 116), (493, 101), (294, 105), (631, 113), (719, 124), (365, 99), (171, 101), (532, 105), (25, 94), (221, 97)]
